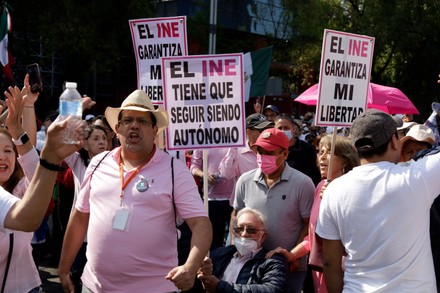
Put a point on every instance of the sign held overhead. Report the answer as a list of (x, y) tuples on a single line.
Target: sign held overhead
[(204, 100), (344, 78)]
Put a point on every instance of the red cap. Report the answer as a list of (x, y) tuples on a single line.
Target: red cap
[(272, 139)]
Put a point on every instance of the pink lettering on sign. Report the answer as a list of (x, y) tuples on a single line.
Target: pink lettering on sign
[(219, 67), (168, 30), (357, 48)]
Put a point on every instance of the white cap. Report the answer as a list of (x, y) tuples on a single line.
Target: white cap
[(70, 85)]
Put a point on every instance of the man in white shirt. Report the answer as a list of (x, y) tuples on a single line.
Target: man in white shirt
[(377, 215)]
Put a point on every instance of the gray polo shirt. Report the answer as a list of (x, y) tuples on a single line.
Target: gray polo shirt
[(285, 204)]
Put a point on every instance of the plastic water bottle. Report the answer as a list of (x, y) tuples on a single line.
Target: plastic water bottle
[(70, 105)]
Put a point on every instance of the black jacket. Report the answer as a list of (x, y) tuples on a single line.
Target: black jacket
[(258, 275), (302, 157)]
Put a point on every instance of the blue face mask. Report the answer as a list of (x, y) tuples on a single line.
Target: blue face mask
[(288, 133)]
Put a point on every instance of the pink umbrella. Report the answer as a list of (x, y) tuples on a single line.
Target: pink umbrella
[(388, 99)]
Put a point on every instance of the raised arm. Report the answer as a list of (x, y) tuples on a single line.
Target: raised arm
[(15, 103), (27, 213), (29, 119)]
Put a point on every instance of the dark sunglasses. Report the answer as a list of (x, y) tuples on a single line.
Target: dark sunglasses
[(249, 230)]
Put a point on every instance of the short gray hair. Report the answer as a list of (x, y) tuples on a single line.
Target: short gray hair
[(257, 213)]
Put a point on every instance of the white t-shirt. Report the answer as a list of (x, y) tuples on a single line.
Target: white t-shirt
[(7, 200), (380, 212)]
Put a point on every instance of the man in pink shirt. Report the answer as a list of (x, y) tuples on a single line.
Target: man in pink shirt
[(240, 160), (129, 203)]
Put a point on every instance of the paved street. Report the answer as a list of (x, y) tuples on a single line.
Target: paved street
[(49, 277)]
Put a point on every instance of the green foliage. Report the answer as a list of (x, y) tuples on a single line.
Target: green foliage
[(406, 41)]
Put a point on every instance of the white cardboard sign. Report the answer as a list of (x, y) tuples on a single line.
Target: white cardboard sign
[(204, 101), (344, 78), (154, 38)]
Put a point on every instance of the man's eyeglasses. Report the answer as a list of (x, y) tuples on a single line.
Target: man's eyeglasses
[(249, 230), (127, 121)]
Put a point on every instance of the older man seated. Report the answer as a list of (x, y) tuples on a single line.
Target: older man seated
[(243, 267)]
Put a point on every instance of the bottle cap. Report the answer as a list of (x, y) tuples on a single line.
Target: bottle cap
[(70, 85)]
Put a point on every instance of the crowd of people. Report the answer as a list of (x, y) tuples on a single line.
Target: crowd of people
[(294, 210)]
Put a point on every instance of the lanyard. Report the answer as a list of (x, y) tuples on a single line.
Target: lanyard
[(135, 172)]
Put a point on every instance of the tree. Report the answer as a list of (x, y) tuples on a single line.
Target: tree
[(406, 41)]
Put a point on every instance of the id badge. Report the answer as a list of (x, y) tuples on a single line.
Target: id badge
[(121, 219)]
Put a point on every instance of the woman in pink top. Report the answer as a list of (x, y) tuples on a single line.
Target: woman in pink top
[(345, 158)]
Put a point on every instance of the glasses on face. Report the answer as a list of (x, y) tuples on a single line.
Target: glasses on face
[(249, 230), (127, 121)]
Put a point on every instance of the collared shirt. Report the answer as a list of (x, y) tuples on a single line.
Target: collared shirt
[(238, 161), (234, 267), (286, 204), (142, 255), (222, 189)]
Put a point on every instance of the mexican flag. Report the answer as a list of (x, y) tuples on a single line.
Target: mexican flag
[(5, 54), (256, 72)]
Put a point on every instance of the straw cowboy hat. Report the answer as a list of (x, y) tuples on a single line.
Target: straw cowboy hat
[(137, 101)]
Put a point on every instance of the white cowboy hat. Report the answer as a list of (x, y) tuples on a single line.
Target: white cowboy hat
[(137, 101)]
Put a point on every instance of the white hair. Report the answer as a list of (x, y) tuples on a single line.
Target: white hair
[(257, 213)]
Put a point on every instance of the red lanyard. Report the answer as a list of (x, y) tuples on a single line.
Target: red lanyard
[(121, 172)]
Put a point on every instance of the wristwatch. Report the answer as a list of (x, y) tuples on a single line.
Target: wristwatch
[(24, 138)]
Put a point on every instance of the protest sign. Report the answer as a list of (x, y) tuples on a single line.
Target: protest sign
[(204, 101), (154, 38), (344, 78)]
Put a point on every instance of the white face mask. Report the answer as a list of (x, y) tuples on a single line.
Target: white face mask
[(245, 245), (288, 133)]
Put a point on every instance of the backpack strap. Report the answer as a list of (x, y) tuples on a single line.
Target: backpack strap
[(8, 262)]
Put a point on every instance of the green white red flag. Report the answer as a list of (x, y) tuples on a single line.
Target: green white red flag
[(5, 54)]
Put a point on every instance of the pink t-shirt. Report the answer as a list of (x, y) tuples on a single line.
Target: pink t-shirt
[(138, 259)]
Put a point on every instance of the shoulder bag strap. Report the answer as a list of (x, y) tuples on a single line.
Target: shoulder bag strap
[(99, 163), (172, 189), (11, 246)]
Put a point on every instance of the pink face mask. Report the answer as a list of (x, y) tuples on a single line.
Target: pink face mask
[(267, 163)]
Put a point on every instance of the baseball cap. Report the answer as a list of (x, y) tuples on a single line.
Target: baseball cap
[(398, 119), (273, 108), (272, 139), (257, 121), (372, 129), (419, 133)]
